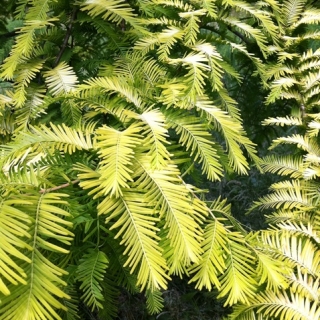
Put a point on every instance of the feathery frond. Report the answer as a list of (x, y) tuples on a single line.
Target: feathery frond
[(138, 231), (156, 134), (90, 273), (172, 200), (288, 198), (154, 301), (39, 297), (212, 263), (113, 10), (116, 150), (230, 129), (285, 166), (195, 137), (237, 281), (288, 306), (43, 139), (61, 79)]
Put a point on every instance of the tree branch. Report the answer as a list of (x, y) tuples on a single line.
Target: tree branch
[(66, 38), (10, 34), (239, 35), (236, 33), (59, 187)]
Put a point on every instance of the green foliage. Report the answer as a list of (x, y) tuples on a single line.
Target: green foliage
[(108, 109), (90, 273), (294, 221)]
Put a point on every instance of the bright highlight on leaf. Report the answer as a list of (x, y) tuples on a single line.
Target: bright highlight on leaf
[(116, 151), (61, 79)]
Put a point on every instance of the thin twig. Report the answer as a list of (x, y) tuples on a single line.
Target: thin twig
[(66, 38), (9, 34), (188, 170), (239, 35), (59, 187)]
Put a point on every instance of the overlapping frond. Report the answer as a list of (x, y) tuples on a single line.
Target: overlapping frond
[(39, 297), (293, 250), (217, 66), (113, 10), (282, 121), (285, 166), (249, 31), (5, 100), (305, 285), (33, 107), (194, 136), (154, 301), (297, 216), (13, 229), (192, 25), (228, 104), (308, 16), (156, 134), (116, 270), (97, 86), (172, 200), (111, 295), (271, 269), (24, 74), (237, 281), (288, 198), (131, 213), (36, 20), (230, 129), (115, 107), (296, 250), (61, 79), (272, 272), (71, 113), (22, 176), (212, 263), (116, 150), (211, 7), (292, 10), (297, 139), (196, 66), (43, 139), (90, 273), (71, 303), (176, 3), (299, 229), (280, 86), (143, 74), (288, 306), (164, 40)]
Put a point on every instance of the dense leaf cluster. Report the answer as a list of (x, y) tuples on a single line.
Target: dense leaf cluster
[(110, 111)]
